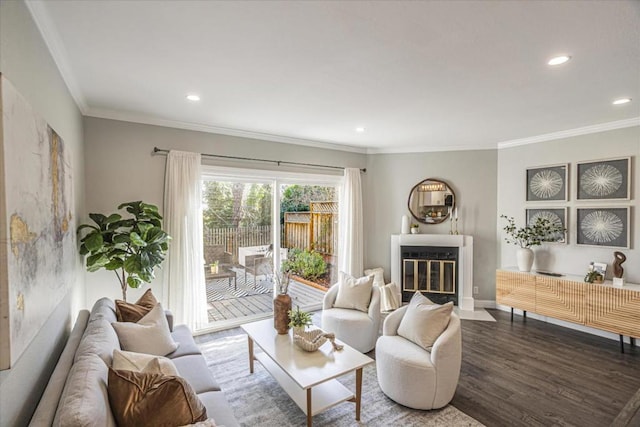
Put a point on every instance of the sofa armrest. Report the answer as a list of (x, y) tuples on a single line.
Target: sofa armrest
[(48, 404), (169, 316), (392, 322)]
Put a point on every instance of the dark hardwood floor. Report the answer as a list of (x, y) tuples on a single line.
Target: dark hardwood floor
[(532, 373)]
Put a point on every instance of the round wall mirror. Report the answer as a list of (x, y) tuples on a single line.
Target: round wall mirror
[(431, 201)]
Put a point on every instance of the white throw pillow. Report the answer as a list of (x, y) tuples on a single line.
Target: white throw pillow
[(140, 362), (378, 276), (389, 297), (150, 335), (354, 293), (424, 321)]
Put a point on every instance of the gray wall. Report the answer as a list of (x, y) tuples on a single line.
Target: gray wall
[(121, 167), (569, 258), (471, 174), (26, 62)]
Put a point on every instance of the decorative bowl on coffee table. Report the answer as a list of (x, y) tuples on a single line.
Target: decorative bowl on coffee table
[(310, 340)]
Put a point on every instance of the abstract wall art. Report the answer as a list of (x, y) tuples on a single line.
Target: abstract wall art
[(37, 229), (607, 227), (547, 183), (556, 216), (604, 179)]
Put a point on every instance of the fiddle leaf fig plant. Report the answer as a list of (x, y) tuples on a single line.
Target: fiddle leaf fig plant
[(131, 247)]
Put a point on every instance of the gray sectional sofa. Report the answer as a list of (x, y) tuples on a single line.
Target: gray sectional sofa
[(76, 394)]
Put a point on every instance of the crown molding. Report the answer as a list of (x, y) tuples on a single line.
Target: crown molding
[(602, 127), (148, 120), (418, 149), (52, 39)]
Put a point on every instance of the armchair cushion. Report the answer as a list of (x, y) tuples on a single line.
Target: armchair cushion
[(354, 293), (424, 321)]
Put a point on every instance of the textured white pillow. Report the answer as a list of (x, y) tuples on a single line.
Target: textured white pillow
[(388, 297), (378, 276), (424, 321), (150, 335), (354, 293), (140, 362)]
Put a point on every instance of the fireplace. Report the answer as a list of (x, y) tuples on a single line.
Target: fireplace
[(432, 270), (439, 265)]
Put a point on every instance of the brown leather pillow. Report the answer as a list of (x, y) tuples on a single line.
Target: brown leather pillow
[(127, 312), (148, 399)]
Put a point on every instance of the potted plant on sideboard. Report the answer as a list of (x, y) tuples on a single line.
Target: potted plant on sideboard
[(542, 230), (131, 247)]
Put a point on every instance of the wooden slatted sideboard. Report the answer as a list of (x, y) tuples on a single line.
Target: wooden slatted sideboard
[(601, 306)]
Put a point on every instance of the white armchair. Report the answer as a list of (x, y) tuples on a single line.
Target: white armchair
[(354, 327), (413, 376)]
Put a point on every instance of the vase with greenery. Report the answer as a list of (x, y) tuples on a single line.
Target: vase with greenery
[(131, 247), (299, 320), (542, 230)]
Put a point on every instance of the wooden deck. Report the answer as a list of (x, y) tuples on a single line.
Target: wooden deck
[(252, 306)]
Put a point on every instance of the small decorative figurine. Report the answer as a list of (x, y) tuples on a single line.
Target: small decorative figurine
[(619, 258)]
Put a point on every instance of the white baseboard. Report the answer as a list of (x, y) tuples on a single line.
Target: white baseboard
[(484, 303), (562, 323)]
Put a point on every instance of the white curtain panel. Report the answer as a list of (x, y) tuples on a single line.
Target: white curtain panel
[(351, 253), (184, 285)]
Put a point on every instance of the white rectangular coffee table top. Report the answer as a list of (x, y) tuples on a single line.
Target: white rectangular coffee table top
[(305, 368), (307, 377)]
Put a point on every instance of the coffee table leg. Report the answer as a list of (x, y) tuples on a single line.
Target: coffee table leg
[(250, 354), (358, 392), (309, 413)]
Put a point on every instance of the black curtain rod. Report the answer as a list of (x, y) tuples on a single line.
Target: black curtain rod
[(157, 150)]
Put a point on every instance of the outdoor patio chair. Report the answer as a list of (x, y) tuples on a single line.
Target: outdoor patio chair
[(213, 253), (258, 265)]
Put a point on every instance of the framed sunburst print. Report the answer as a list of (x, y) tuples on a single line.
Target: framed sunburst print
[(547, 183), (607, 227), (556, 216), (603, 179)]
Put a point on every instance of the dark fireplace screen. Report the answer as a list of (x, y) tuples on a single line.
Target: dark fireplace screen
[(432, 271)]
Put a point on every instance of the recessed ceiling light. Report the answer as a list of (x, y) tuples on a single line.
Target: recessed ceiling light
[(621, 101), (360, 130), (559, 60), (193, 97)]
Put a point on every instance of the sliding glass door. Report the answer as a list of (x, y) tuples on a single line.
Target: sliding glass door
[(245, 220)]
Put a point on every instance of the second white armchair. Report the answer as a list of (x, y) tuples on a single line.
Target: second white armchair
[(353, 326)]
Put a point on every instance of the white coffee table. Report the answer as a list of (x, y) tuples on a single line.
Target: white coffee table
[(307, 377)]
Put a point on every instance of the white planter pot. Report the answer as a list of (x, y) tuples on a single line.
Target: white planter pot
[(525, 259)]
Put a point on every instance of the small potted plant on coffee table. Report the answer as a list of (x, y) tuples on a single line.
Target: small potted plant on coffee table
[(299, 320)]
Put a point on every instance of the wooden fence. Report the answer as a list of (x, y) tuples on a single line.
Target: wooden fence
[(316, 229), (234, 238)]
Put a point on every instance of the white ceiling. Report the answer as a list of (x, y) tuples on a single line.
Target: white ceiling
[(419, 76)]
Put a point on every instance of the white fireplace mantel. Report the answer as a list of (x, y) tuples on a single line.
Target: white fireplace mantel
[(465, 260)]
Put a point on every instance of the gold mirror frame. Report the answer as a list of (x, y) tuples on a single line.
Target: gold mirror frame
[(431, 201)]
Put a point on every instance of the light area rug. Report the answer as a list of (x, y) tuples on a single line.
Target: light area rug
[(258, 400)]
